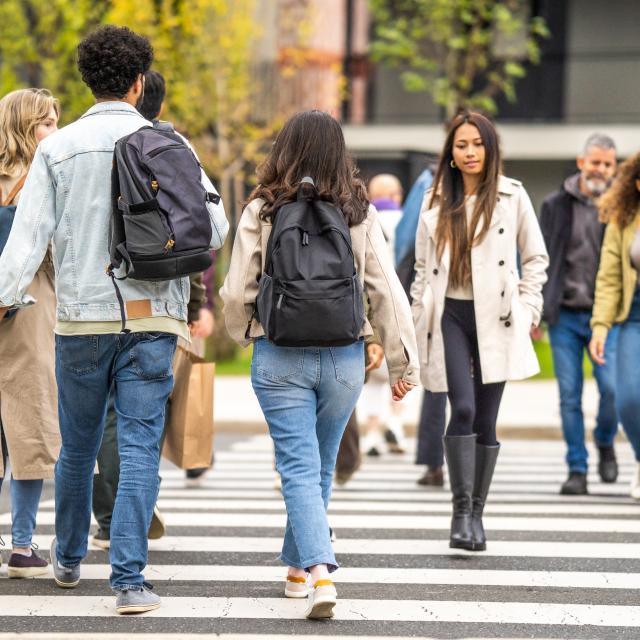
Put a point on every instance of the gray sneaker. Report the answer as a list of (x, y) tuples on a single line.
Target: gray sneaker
[(64, 577), (130, 601)]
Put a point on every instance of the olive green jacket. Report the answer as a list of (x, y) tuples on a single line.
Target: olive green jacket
[(617, 279)]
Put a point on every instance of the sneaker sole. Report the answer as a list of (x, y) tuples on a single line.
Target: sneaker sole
[(296, 594), (140, 608), (101, 544), (320, 610), (66, 585), (27, 572)]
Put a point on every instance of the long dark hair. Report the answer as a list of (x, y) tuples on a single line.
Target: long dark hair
[(452, 227), (311, 143)]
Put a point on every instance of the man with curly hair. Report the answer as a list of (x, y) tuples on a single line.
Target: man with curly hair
[(573, 234), (67, 201)]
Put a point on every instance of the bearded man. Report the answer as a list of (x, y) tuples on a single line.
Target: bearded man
[(573, 234)]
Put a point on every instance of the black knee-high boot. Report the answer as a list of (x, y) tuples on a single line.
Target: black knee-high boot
[(460, 452), (486, 458)]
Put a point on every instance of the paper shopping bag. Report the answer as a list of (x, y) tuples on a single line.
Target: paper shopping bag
[(189, 437)]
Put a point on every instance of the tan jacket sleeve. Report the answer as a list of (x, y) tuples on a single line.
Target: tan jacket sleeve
[(608, 282), (533, 257), (240, 287), (389, 306)]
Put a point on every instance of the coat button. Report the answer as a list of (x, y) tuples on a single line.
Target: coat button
[(501, 230), (435, 272), (498, 199), (507, 323), (429, 336), (502, 295), (501, 263)]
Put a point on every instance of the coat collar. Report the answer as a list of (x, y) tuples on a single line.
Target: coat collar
[(506, 186)]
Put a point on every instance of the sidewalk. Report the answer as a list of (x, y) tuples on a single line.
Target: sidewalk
[(529, 409)]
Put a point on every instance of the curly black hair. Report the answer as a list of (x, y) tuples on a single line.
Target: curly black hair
[(154, 93), (111, 58)]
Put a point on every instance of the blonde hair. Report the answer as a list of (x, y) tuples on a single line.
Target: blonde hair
[(21, 112)]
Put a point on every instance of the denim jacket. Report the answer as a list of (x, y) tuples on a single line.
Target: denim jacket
[(66, 200)]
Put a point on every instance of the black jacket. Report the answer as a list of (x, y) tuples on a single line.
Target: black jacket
[(556, 222)]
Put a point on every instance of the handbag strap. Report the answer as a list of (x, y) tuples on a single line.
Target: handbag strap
[(14, 192)]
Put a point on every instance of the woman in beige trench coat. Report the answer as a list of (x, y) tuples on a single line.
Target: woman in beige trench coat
[(480, 266), (28, 404)]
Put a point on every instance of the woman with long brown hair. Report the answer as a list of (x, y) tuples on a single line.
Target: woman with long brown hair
[(308, 393), (617, 297), (472, 310), (28, 403)]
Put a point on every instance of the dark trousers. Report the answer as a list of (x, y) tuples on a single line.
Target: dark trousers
[(474, 405), (349, 457), (430, 450), (105, 482)]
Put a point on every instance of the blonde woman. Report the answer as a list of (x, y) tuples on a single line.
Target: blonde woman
[(617, 298), (28, 407)]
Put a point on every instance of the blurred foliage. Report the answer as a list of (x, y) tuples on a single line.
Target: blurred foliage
[(38, 40), (464, 53)]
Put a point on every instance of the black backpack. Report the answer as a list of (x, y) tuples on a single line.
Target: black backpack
[(309, 293), (160, 226)]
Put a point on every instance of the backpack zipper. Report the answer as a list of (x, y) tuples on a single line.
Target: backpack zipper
[(280, 298), (159, 150)]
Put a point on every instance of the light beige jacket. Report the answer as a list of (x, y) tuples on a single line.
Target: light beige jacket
[(506, 304), (389, 308)]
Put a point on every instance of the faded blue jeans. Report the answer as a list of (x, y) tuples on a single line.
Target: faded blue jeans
[(139, 367), (307, 396), (570, 337), (628, 389), (25, 498)]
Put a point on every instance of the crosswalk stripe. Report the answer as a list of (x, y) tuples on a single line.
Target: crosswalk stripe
[(347, 609), (219, 573), (371, 546), (496, 523)]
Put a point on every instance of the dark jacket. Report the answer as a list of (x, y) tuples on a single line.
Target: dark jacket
[(556, 222)]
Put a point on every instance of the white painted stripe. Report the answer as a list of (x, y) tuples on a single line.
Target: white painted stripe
[(370, 546), (285, 609), (187, 502), (419, 495), (410, 476), (220, 573), (189, 636), (619, 489), (494, 523)]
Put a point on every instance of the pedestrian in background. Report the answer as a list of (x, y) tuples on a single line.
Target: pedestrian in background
[(617, 299), (573, 235), (68, 198), (383, 417), (29, 433), (431, 423), (472, 311), (308, 394)]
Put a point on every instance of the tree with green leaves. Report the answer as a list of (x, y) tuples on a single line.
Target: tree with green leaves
[(464, 53)]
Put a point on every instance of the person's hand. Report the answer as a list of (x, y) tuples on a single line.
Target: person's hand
[(596, 349), (536, 333), (400, 389), (376, 354), (204, 325)]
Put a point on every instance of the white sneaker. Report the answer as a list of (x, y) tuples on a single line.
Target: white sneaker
[(322, 600), (297, 587), (635, 483)]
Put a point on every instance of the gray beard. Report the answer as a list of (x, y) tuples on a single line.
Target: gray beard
[(596, 187)]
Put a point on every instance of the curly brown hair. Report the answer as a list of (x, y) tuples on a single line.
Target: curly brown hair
[(621, 201), (311, 143)]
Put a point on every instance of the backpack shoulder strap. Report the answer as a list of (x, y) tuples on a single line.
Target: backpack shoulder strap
[(14, 192)]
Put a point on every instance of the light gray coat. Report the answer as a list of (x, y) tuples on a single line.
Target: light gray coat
[(506, 304)]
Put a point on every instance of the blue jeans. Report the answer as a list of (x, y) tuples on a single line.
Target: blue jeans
[(570, 336), (139, 367), (25, 498), (307, 396), (628, 396)]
